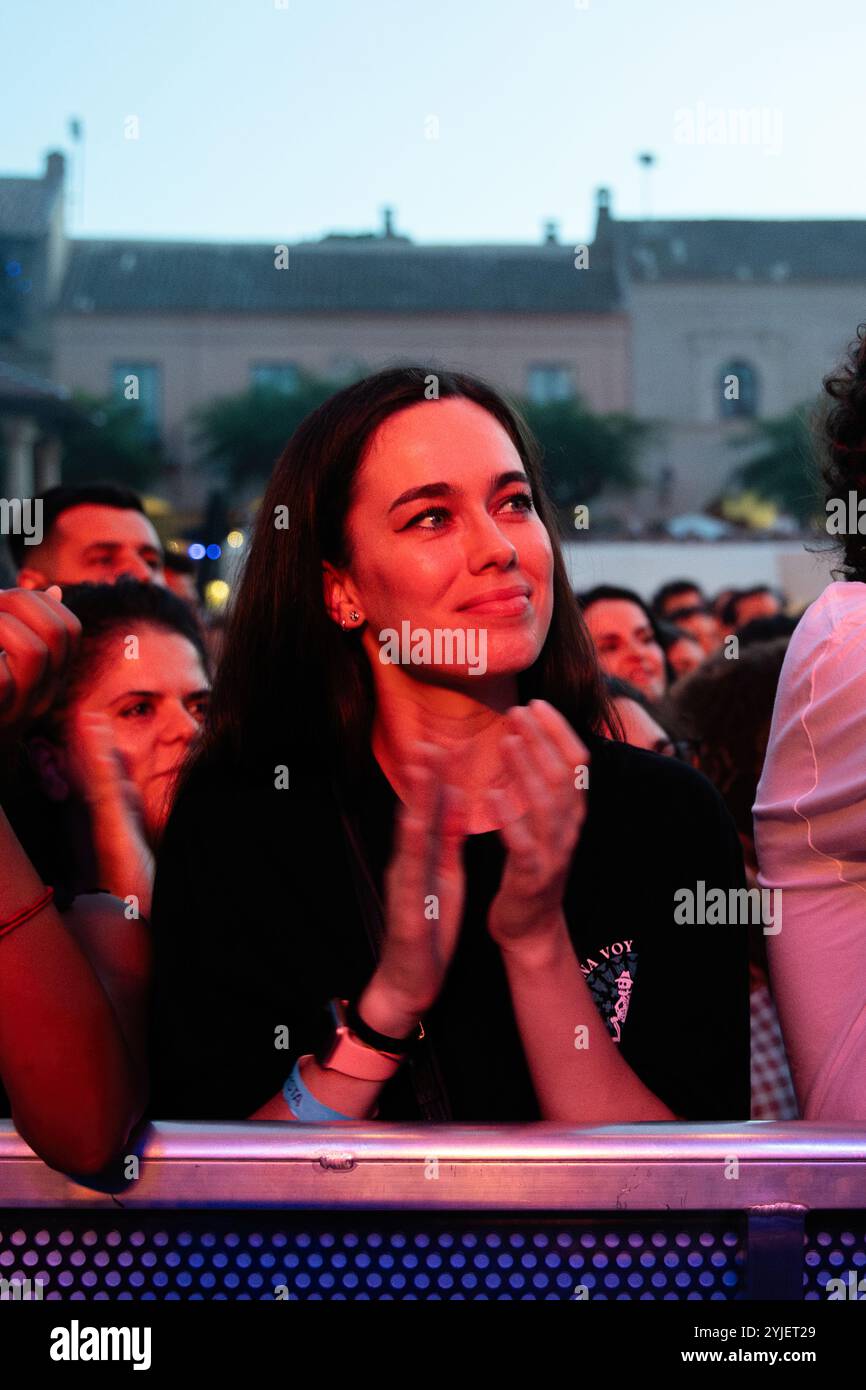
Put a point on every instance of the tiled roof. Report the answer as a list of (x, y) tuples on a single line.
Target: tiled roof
[(340, 275), (753, 251)]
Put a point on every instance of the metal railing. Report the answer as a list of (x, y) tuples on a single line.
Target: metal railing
[(531, 1167)]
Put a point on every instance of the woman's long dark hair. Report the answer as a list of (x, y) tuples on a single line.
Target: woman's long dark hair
[(292, 687)]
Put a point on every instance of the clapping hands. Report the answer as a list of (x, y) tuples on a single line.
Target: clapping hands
[(545, 756)]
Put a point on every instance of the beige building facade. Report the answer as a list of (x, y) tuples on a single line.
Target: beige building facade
[(199, 357), (688, 338), (732, 322), (654, 318)]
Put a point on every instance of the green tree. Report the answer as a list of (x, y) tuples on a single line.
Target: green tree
[(586, 453), (782, 467), (242, 436), (110, 442)]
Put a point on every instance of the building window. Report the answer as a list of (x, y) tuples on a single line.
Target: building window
[(738, 391), (139, 383), (346, 369), (275, 376), (548, 381)]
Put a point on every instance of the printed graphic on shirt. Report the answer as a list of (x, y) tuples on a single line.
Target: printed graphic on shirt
[(610, 974)]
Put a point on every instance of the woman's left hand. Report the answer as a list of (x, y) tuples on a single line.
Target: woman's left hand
[(550, 766)]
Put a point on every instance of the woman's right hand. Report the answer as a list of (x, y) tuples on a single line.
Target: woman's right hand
[(424, 893), (38, 639), (125, 859)]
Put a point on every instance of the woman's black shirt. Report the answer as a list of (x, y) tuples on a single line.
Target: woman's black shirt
[(257, 925)]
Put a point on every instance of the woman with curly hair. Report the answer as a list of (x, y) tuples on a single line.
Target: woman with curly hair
[(810, 811)]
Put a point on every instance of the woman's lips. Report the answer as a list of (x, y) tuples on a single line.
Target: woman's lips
[(508, 601), (501, 607)]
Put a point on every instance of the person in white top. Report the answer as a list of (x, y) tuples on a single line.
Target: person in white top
[(810, 809), (810, 836)]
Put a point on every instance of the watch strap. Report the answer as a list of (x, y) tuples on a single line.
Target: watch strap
[(401, 1046)]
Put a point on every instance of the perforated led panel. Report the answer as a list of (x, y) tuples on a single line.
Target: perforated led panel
[(250, 1255), (835, 1248)]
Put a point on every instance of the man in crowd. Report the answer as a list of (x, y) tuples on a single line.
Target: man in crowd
[(745, 605), (678, 593), (702, 623), (90, 534)]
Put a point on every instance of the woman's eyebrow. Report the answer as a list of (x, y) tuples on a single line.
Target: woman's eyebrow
[(139, 695), (412, 494), (428, 490)]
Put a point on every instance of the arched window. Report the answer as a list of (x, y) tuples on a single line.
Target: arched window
[(738, 391)]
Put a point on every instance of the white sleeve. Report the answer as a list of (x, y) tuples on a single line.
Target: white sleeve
[(810, 839)]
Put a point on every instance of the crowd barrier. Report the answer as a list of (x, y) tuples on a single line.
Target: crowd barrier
[(374, 1211)]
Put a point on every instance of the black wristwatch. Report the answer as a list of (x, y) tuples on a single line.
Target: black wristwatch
[(381, 1041)]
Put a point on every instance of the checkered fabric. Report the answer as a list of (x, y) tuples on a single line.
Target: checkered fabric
[(773, 1096)]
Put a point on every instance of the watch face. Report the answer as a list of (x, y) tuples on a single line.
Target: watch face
[(342, 1048), (349, 1055)]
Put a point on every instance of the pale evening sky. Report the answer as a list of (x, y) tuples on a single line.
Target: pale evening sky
[(277, 120)]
